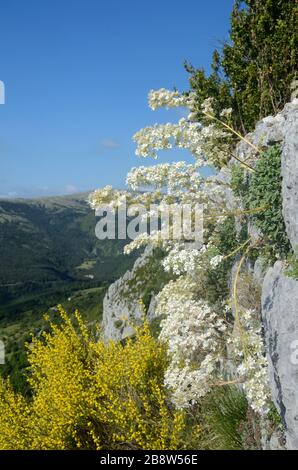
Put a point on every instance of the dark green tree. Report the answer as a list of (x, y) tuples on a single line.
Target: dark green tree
[(253, 71)]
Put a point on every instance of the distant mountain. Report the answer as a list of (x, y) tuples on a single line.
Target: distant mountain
[(48, 249)]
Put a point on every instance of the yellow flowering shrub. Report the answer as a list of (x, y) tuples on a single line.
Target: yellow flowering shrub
[(15, 422), (91, 395)]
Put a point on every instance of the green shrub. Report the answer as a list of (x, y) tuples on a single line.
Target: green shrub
[(292, 270), (216, 282), (239, 181), (265, 192), (253, 72)]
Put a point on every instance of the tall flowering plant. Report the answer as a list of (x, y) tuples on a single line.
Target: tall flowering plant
[(198, 335)]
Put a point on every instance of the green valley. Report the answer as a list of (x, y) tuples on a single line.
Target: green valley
[(49, 254)]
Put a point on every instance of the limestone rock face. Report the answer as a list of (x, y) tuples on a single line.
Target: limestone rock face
[(290, 174), (283, 129), (280, 319), (279, 292), (120, 311)]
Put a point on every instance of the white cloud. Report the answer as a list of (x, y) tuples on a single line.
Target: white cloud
[(70, 189), (9, 195), (30, 192), (109, 144)]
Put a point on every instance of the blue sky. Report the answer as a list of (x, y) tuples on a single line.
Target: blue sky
[(77, 74)]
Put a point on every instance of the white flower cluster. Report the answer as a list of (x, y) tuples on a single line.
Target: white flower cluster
[(248, 348), (214, 262), (154, 239), (169, 183), (169, 99), (175, 178), (166, 136), (108, 197), (194, 334), (207, 106), (226, 113), (209, 144), (181, 260)]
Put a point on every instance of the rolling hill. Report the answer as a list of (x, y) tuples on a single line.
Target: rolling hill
[(48, 255), (48, 248)]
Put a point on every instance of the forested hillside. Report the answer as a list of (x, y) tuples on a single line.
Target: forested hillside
[(49, 249), (49, 254)]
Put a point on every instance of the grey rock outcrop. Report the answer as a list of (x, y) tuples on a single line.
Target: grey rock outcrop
[(279, 292), (276, 441), (259, 271), (120, 310), (280, 319), (290, 176), (283, 129)]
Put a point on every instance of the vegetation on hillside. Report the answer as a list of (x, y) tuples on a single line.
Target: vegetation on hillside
[(198, 379), (264, 189), (49, 244), (252, 72), (91, 395), (50, 255), (85, 394), (15, 333)]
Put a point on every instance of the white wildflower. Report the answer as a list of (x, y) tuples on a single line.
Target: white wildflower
[(214, 262)]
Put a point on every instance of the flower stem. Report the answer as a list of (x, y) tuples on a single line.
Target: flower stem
[(237, 212), (237, 249), (233, 131), (235, 298)]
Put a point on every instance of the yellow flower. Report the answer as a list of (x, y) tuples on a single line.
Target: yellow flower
[(91, 395)]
